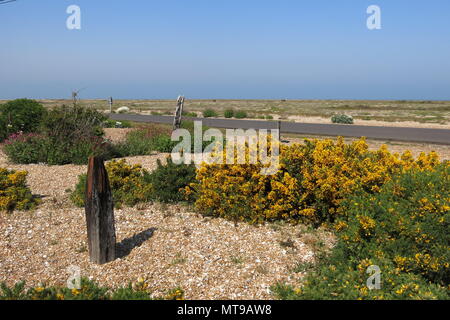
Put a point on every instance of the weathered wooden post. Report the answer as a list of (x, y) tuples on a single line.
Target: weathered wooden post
[(178, 113), (99, 209)]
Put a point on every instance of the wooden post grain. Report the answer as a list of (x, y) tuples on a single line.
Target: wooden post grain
[(99, 210)]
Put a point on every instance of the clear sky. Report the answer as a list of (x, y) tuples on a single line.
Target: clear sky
[(225, 49)]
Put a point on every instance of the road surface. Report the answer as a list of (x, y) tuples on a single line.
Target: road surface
[(424, 135)]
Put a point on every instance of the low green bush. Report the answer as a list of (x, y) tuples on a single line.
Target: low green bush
[(240, 114), (38, 148), (131, 184), (21, 115), (229, 113), (403, 230), (169, 179), (72, 122), (65, 135), (89, 290), (210, 113), (189, 114), (144, 141), (342, 118)]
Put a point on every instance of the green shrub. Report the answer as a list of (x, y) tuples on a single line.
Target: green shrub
[(240, 114), (14, 192), (210, 113), (26, 148), (189, 114), (68, 123), (38, 148), (229, 113), (163, 144), (136, 143), (403, 230), (129, 185), (167, 181), (89, 290), (66, 135), (269, 117), (144, 141), (21, 115), (342, 118)]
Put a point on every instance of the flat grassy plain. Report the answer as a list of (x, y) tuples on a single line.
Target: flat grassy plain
[(437, 112), (422, 112)]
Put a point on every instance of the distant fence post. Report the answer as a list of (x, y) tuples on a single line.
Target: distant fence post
[(99, 210), (110, 100), (178, 113)]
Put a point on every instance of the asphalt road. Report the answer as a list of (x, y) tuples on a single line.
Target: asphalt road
[(425, 135)]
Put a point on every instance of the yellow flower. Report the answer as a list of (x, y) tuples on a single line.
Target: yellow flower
[(75, 292)]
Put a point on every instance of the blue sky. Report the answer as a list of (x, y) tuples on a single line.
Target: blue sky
[(248, 49)]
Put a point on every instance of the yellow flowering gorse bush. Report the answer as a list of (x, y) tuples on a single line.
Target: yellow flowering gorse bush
[(128, 183), (14, 192), (312, 181)]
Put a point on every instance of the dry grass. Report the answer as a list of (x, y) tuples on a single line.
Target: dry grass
[(411, 113)]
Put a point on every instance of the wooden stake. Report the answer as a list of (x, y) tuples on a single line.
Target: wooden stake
[(99, 210)]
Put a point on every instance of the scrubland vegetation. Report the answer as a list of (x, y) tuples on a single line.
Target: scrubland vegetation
[(388, 210)]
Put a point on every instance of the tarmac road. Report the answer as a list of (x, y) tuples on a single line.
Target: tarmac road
[(424, 135)]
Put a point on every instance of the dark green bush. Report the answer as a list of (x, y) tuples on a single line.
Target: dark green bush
[(72, 122), (229, 113), (210, 113), (163, 144), (26, 148), (21, 115), (403, 230), (36, 148), (167, 181), (130, 184), (66, 135), (240, 114), (144, 141)]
